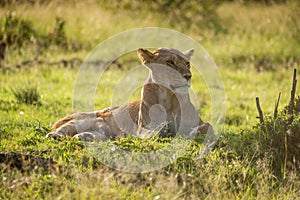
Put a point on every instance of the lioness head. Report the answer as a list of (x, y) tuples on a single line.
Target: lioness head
[(168, 67)]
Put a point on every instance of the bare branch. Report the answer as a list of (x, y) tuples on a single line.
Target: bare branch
[(276, 106), (261, 115), (293, 92)]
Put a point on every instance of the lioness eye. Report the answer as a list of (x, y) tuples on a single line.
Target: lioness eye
[(171, 62)]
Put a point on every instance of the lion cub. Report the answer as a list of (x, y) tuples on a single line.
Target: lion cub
[(164, 106)]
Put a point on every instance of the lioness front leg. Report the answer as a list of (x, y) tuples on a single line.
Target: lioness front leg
[(76, 124)]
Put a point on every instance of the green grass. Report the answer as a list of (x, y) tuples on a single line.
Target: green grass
[(249, 161)]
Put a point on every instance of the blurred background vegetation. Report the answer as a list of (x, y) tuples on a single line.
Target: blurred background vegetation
[(263, 33)]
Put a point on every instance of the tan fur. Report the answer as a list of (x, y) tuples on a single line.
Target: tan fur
[(164, 98), (62, 121)]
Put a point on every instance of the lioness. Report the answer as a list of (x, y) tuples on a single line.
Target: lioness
[(164, 101)]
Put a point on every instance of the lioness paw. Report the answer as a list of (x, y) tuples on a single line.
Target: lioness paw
[(54, 135), (90, 137), (205, 128)]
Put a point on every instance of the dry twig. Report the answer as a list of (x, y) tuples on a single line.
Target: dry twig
[(276, 106), (293, 92), (261, 115)]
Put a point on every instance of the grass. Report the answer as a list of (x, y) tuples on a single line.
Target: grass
[(249, 161), (27, 95)]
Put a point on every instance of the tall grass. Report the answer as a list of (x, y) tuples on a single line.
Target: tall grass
[(27, 95)]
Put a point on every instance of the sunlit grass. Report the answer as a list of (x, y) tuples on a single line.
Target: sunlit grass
[(240, 166)]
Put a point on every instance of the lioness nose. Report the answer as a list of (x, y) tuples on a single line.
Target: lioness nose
[(187, 76)]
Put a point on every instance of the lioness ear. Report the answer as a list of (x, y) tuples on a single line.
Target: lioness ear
[(145, 55), (189, 53)]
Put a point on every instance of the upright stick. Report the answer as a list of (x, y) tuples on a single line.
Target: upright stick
[(276, 106), (261, 115), (293, 92)]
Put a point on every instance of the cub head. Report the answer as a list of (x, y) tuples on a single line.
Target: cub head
[(168, 67)]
